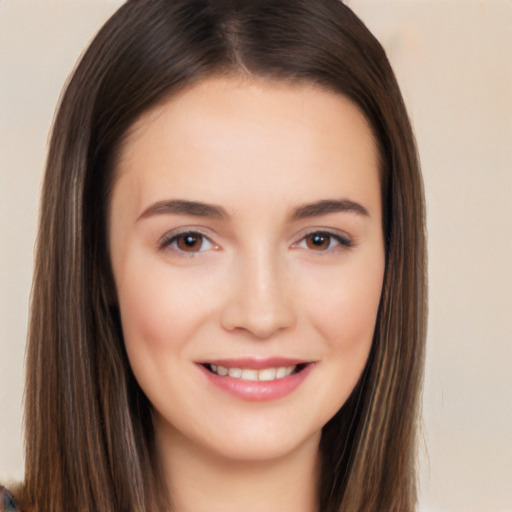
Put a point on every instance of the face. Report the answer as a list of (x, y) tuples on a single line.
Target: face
[(247, 251)]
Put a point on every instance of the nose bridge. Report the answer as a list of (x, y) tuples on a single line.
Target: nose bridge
[(261, 300)]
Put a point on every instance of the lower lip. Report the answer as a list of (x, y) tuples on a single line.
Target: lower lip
[(258, 391)]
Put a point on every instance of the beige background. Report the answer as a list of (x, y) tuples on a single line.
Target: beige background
[(453, 59)]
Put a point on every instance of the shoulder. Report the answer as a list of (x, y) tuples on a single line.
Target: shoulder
[(7, 503)]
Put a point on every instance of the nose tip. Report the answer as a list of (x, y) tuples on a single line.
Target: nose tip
[(260, 304), (261, 324)]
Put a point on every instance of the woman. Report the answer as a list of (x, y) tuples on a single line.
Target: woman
[(228, 309)]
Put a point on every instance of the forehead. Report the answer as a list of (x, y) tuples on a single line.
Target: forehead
[(230, 137)]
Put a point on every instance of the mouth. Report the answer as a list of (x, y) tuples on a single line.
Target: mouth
[(269, 374), (255, 379)]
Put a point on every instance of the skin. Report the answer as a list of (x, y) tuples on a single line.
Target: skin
[(252, 284)]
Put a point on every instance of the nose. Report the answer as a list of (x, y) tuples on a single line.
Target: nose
[(260, 298)]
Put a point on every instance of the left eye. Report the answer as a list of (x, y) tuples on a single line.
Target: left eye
[(321, 241), (189, 242)]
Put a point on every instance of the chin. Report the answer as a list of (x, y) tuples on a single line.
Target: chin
[(265, 448)]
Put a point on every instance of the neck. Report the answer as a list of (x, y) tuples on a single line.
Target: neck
[(200, 481)]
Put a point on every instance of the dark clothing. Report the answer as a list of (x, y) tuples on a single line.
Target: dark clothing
[(7, 503)]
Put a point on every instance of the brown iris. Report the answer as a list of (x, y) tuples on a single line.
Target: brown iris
[(318, 241), (189, 242)]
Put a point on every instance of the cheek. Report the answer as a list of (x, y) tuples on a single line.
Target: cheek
[(341, 305), (159, 314), (345, 313)]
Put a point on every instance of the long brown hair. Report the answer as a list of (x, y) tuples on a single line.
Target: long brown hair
[(89, 436)]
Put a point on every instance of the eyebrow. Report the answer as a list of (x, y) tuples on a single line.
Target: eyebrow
[(327, 206), (183, 207), (200, 209)]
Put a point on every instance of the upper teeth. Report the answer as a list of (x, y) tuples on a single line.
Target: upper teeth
[(265, 374)]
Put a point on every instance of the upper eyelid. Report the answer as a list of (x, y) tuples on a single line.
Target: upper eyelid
[(170, 235)]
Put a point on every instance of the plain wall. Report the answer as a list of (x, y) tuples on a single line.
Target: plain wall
[(453, 59)]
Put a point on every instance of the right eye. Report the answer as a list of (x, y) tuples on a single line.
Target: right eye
[(187, 242)]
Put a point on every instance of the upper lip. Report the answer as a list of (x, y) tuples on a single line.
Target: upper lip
[(255, 363)]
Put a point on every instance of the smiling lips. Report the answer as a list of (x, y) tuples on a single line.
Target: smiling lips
[(257, 380)]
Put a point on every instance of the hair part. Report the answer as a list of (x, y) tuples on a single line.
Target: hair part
[(80, 391)]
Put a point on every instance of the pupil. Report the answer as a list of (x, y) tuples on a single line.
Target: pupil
[(190, 240), (319, 239)]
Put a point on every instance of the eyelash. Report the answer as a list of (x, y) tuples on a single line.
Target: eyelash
[(342, 242)]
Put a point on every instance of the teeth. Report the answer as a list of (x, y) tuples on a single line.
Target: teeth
[(280, 372), (235, 372), (249, 375), (222, 371), (265, 374)]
